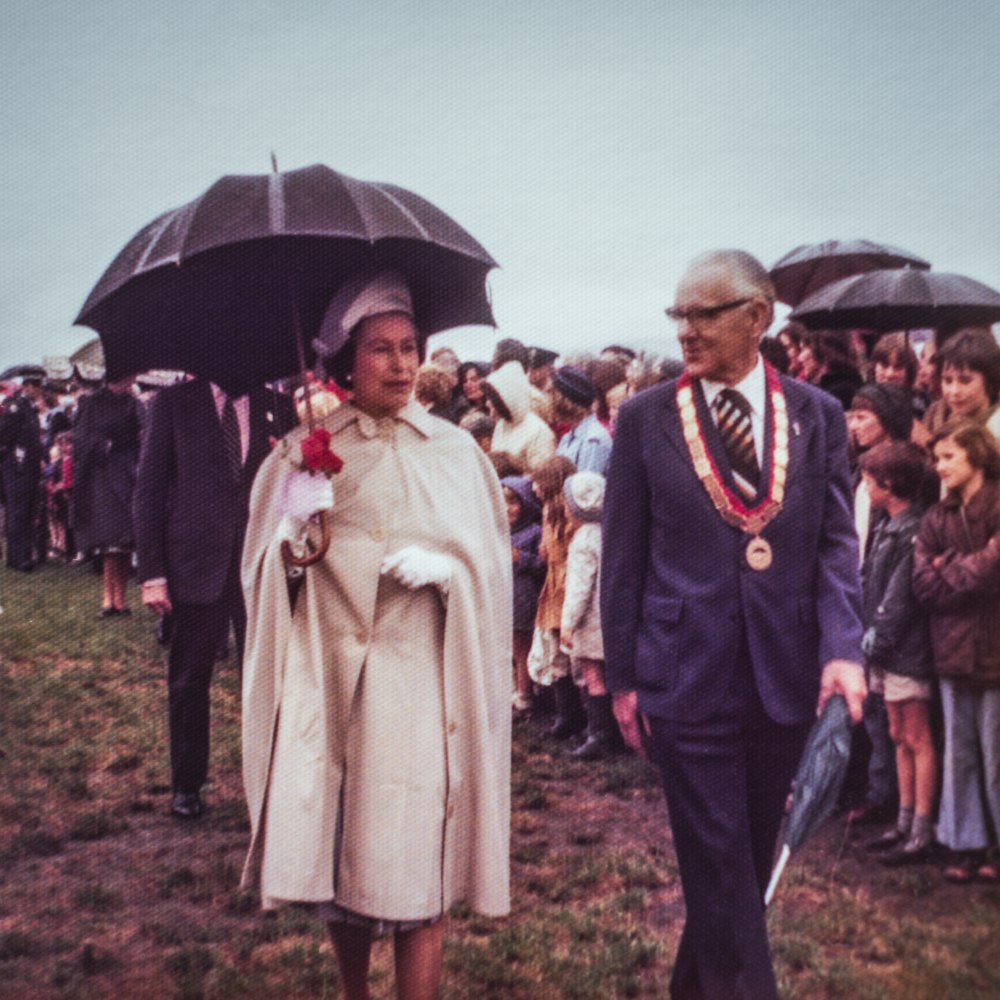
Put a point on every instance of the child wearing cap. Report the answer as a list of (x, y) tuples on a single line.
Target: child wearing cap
[(580, 634)]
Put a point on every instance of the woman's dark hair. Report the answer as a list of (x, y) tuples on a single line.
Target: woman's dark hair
[(895, 349), (976, 441), (341, 366), (901, 467), (794, 331), (977, 351), (482, 367), (833, 349)]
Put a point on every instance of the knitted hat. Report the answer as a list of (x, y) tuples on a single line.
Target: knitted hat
[(584, 493), (575, 385), (891, 403)]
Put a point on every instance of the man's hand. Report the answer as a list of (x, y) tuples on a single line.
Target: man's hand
[(631, 721), (847, 678), (156, 597)]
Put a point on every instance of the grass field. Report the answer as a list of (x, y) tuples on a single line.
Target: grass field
[(102, 894)]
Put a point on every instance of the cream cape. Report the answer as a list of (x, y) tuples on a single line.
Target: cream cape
[(411, 480)]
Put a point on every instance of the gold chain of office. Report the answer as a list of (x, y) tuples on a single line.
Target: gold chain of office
[(731, 508)]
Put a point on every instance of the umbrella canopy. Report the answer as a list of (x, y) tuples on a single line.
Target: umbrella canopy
[(22, 372), (813, 266), (229, 285), (817, 781), (901, 300)]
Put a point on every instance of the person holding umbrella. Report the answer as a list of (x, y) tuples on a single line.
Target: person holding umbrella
[(731, 605), (377, 704)]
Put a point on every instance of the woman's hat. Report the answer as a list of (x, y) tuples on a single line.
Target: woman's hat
[(584, 493), (363, 295)]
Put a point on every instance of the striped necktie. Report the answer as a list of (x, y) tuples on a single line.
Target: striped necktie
[(231, 438), (732, 414)]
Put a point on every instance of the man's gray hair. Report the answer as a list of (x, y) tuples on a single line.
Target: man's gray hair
[(745, 270)]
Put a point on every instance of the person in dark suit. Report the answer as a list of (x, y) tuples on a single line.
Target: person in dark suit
[(199, 457), (21, 458), (730, 605)]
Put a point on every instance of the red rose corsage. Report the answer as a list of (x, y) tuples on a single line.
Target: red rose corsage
[(317, 455)]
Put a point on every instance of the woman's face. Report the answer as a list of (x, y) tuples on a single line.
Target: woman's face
[(865, 428), (926, 374), (891, 371), (470, 386), (385, 364), (964, 391), (809, 367), (954, 469)]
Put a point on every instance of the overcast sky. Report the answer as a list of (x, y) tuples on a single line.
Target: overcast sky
[(593, 148)]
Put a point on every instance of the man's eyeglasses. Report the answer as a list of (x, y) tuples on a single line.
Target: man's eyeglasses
[(701, 314)]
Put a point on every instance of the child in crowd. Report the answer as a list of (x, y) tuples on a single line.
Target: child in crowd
[(897, 645), (580, 634), (956, 576), (58, 491), (548, 664), (523, 515)]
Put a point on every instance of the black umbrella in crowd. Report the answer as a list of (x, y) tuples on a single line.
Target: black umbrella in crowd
[(817, 782), (900, 300), (22, 372), (810, 267), (233, 285)]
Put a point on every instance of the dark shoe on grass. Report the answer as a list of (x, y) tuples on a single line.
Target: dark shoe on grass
[(186, 805), (891, 838)]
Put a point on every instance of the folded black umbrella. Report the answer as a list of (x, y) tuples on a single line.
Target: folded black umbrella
[(818, 781)]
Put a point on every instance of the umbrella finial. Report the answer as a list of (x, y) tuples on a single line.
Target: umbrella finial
[(274, 162)]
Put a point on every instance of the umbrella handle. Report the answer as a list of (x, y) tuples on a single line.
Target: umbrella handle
[(291, 559), (786, 853)]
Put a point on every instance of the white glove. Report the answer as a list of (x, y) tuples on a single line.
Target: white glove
[(415, 567), (302, 495)]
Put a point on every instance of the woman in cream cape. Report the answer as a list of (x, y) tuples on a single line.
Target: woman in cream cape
[(376, 730)]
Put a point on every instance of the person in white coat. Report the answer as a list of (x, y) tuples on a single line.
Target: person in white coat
[(377, 702), (580, 633), (519, 431)]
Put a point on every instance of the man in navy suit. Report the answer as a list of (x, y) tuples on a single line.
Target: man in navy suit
[(730, 605), (191, 506)]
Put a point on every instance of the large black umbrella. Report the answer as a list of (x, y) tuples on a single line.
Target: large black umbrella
[(810, 267), (901, 300), (233, 285), (817, 782)]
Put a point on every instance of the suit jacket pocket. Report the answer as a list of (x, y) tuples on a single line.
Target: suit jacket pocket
[(659, 640)]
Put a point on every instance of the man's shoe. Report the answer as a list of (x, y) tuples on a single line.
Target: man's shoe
[(186, 805)]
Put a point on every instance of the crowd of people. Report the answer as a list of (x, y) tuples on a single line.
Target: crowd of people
[(101, 472)]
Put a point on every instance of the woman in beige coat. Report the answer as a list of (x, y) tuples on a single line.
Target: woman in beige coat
[(377, 710)]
